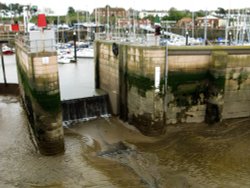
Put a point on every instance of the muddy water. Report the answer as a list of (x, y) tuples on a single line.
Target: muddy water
[(77, 80), (108, 153), (10, 69)]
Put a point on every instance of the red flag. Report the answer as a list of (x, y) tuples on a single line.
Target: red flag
[(41, 21), (15, 27)]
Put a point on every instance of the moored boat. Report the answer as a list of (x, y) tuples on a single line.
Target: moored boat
[(7, 50), (85, 53)]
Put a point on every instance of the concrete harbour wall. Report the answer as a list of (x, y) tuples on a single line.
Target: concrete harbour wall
[(151, 86), (39, 88)]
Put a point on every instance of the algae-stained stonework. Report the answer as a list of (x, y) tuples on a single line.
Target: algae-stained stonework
[(144, 101), (237, 87), (39, 85), (187, 88), (195, 84)]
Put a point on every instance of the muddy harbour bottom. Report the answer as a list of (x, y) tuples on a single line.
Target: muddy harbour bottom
[(108, 153)]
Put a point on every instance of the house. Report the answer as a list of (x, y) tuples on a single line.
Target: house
[(184, 23), (128, 22), (103, 15), (212, 21), (160, 13)]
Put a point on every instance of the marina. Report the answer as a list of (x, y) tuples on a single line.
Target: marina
[(124, 98)]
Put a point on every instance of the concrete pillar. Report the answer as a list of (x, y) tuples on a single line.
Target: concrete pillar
[(217, 73), (39, 88)]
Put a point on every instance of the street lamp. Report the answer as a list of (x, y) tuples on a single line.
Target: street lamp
[(186, 38), (230, 37)]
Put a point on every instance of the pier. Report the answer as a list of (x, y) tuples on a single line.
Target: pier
[(154, 86)]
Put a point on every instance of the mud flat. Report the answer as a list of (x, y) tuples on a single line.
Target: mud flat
[(109, 153)]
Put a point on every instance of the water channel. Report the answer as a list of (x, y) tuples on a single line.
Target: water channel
[(109, 153)]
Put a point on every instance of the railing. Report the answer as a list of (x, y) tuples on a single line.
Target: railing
[(35, 46), (8, 36), (139, 39), (148, 39)]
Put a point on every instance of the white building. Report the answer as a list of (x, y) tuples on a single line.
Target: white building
[(160, 13)]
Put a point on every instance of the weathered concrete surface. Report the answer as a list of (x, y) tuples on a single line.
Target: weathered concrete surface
[(39, 88), (237, 87), (196, 84), (108, 73)]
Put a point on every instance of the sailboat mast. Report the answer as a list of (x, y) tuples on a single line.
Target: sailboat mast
[(193, 24), (108, 19), (78, 27), (205, 29)]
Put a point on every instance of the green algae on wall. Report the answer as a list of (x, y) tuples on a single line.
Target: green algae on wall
[(217, 79), (217, 71), (49, 102), (176, 80), (142, 83)]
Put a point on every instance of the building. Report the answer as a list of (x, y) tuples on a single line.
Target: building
[(212, 21), (127, 23), (185, 23), (108, 14), (160, 13)]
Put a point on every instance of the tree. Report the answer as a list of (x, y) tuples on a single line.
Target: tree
[(71, 11), (175, 14), (151, 18), (200, 13), (165, 17), (3, 6), (220, 11)]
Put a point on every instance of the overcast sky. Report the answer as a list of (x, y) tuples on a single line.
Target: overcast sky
[(61, 6)]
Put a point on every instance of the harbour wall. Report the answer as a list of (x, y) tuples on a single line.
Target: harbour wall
[(9, 89), (39, 89), (152, 86)]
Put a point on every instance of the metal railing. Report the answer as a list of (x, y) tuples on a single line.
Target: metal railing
[(132, 38), (148, 39), (8, 36), (35, 46)]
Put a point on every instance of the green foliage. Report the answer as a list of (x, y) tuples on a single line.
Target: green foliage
[(151, 18), (221, 11), (3, 6), (71, 11), (15, 7), (200, 13), (174, 14)]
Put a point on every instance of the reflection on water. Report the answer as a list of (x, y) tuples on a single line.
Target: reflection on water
[(10, 69), (77, 80)]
